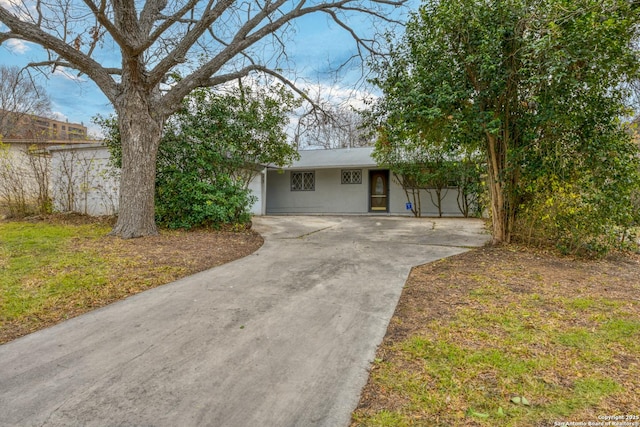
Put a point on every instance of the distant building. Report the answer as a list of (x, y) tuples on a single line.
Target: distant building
[(35, 129)]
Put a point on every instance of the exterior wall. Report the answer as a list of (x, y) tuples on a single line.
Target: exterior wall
[(17, 176), (79, 178), (398, 201), (330, 196), (257, 187), (82, 180), (428, 208)]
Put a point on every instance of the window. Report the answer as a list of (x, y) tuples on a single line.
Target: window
[(352, 176), (303, 181)]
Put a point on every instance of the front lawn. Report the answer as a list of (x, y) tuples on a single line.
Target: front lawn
[(510, 337), (66, 265)]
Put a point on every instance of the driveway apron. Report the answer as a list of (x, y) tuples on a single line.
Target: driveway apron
[(283, 337)]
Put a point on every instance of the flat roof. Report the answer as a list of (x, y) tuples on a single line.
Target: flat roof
[(337, 158)]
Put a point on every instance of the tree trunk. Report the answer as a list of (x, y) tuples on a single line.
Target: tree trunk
[(499, 210), (140, 132)]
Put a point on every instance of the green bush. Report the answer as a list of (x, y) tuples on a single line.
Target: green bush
[(209, 152), (184, 200), (579, 218)]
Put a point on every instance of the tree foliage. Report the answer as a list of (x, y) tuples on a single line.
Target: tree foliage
[(239, 127), (212, 148), (538, 88)]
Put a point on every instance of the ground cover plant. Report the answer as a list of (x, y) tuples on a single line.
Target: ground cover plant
[(56, 268), (507, 336)]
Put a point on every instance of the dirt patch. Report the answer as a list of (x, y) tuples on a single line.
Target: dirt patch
[(562, 295), (434, 291), (137, 265)]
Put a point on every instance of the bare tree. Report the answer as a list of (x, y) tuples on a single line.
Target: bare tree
[(20, 98), (39, 163), (167, 48), (15, 189), (329, 125)]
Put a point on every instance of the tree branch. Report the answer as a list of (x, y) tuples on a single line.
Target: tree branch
[(79, 61)]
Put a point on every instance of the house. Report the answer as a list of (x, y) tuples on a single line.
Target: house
[(343, 181), (321, 182)]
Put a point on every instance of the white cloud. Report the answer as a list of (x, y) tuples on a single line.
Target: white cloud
[(67, 74), (17, 46), (57, 115)]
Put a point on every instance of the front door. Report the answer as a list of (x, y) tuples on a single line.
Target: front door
[(379, 191)]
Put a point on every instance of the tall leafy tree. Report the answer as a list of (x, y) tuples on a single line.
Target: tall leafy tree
[(212, 148), (537, 86), (237, 129), (210, 42)]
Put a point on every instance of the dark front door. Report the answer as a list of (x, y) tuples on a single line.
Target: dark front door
[(379, 191)]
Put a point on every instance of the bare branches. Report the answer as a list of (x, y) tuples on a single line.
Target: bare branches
[(100, 14), (72, 56), (167, 22), (64, 64), (150, 13), (210, 37), (20, 96)]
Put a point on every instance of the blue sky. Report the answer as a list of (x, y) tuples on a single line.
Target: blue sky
[(316, 45)]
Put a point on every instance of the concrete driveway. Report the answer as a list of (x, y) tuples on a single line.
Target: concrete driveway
[(283, 337)]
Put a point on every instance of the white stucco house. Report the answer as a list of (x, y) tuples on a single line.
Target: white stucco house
[(321, 182), (343, 181)]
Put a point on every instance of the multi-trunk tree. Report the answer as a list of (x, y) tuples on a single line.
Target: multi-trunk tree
[(207, 42), (538, 87)]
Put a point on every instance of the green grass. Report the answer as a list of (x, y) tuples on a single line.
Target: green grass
[(61, 267), (560, 352), (40, 268)]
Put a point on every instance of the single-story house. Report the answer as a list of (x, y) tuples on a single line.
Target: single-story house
[(343, 181), (321, 182)]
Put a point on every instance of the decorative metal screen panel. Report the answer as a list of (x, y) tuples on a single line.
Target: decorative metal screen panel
[(352, 176), (303, 181)]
